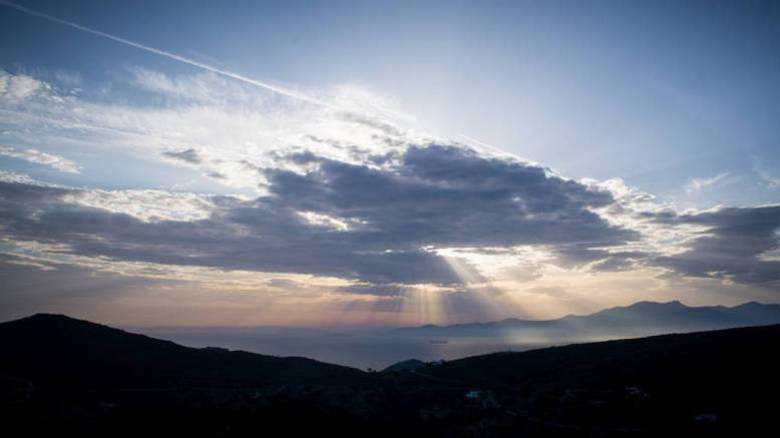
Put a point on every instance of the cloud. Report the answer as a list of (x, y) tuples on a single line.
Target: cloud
[(16, 177), (231, 129), (17, 88), (374, 225), (442, 196), (34, 156), (730, 246), (374, 289), (238, 235), (145, 205), (770, 180), (267, 86), (336, 195), (188, 155), (696, 185), (32, 286)]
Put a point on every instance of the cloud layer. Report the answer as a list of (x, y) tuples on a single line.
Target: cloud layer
[(350, 195), (736, 245), (374, 224)]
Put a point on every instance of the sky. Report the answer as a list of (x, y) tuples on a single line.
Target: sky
[(385, 163)]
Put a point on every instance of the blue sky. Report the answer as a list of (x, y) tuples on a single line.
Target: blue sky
[(657, 93), (677, 100)]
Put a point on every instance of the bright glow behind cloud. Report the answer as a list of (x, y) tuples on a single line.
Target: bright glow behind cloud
[(346, 206)]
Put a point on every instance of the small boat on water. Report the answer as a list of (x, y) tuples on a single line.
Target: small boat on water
[(438, 341)]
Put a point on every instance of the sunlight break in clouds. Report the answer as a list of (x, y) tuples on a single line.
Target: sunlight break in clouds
[(426, 229)]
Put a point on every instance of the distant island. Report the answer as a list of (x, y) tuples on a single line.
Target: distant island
[(639, 319)]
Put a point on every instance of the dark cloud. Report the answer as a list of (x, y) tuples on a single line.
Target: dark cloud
[(732, 245), (390, 290), (434, 196), (447, 196), (188, 155), (371, 122)]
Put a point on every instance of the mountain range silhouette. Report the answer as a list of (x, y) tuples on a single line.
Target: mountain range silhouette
[(639, 319)]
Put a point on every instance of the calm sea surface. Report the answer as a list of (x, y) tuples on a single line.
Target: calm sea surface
[(375, 349)]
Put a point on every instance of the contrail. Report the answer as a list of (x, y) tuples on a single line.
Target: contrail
[(175, 57)]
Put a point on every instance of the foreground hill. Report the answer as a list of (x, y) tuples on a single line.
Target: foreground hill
[(640, 319), (59, 374), (61, 351), (701, 370)]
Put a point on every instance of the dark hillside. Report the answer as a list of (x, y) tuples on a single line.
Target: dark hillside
[(59, 374)]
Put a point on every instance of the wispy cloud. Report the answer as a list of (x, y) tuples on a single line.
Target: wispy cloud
[(14, 88), (35, 156), (271, 87), (696, 185), (230, 129), (770, 180)]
